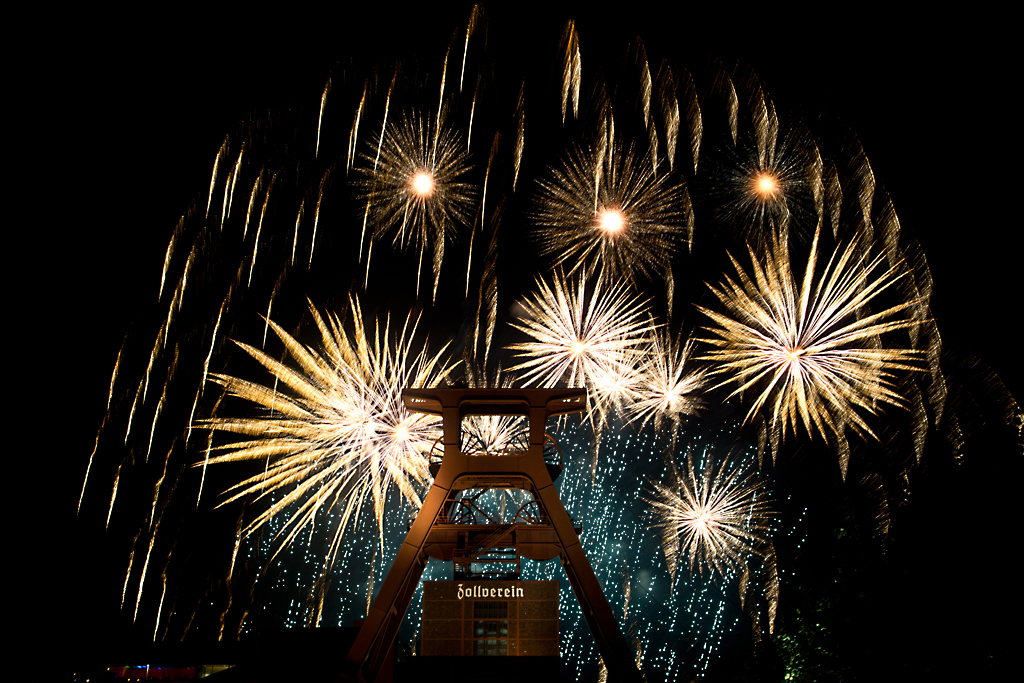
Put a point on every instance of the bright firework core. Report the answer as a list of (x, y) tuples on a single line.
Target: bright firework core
[(422, 184), (611, 220), (766, 185)]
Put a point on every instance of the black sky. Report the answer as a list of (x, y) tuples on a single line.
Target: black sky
[(147, 110)]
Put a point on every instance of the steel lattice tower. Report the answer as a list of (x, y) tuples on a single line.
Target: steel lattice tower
[(436, 532)]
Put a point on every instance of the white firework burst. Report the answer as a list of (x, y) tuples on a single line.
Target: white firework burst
[(592, 339), (715, 518)]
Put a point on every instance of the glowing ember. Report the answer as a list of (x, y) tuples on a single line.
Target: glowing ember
[(767, 185), (611, 220), (422, 184)]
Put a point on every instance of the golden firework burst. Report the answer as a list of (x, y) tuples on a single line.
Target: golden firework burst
[(611, 213), (812, 349), (415, 188), (340, 437)]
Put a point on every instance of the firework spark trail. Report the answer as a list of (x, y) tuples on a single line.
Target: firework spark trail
[(646, 95), (713, 517), (572, 69), (253, 194), (298, 222), (160, 606), (344, 435), (231, 573), (229, 189), (259, 227), (175, 235), (806, 341), (668, 107), (520, 117), (113, 495), (611, 215), (353, 136), (320, 117), (475, 19), (208, 450), (88, 467), (131, 559), (154, 527), (316, 213)]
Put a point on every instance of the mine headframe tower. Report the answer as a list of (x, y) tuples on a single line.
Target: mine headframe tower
[(543, 532)]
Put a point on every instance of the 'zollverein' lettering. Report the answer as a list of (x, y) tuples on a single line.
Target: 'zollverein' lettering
[(484, 592)]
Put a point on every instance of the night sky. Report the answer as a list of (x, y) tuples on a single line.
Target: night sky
[(145, 115)]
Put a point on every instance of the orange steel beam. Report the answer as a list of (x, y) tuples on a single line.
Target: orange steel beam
[(378, 631)]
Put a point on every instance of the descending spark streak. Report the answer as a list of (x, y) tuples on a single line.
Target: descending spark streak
[(213, 176), (369, 583), (813, 345), (167, 257), (113, 496), (192, 414), (252, 202), (611, 213), (714, 517), (156, 416), (259, 226), (440, 97), (520, 117), (230, 579), (128, 574), (159, 483), (131, 413), (353, 136), (316, 213), (213, 342), (298, 220), (320, 118), (475, 18), (160, 607), (571, 69), (88, 467), (142, 579), (344, 435), (110, 397), (234, 183)]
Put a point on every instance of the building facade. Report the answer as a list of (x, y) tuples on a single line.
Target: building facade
[(489, 618)]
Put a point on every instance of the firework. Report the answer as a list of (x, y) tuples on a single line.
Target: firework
[(582, 338), (327, 440), (812, 347), (491, 434), (667, 385), (610, 211), (716, 518), (415, 188), (343, 436)]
